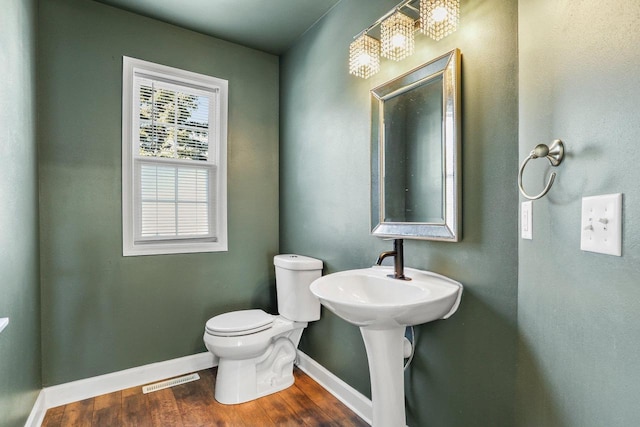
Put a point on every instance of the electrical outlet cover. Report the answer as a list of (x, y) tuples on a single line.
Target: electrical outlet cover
[(601, 224)]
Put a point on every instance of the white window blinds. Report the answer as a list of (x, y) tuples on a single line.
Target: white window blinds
[(174, 201), (176, 161), (173, 123)]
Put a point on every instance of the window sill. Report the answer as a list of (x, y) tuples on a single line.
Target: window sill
[(173, 248)]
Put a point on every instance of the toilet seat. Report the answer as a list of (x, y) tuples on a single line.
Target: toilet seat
[(238, 323)]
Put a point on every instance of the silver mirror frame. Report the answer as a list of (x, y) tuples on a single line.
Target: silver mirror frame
[(447, 66)]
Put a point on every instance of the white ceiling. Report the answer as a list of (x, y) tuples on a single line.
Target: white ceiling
[(268, 25)]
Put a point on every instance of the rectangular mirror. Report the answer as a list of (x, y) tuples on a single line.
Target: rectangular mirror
[(415, 143)]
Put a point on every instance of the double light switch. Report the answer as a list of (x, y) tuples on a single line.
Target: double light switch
[(602, 224)]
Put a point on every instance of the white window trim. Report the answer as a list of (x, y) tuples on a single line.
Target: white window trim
[(131, 66)]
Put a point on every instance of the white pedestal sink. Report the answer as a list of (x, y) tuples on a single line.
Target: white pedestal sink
[(382, 307)]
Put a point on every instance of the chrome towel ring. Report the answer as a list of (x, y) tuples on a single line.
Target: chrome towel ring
[(555, 154)]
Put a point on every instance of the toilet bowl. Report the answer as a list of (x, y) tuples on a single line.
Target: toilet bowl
[(257, 350)]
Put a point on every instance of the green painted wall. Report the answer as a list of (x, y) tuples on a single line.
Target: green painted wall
[(20, 379), (102, 312), (578, 312), (464, 370)]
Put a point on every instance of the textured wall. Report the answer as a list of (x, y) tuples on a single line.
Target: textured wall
[(464, 370), (19, 289), (579, 312), (102, 312)]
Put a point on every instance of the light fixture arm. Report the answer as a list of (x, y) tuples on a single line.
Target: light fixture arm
[(398, 7)]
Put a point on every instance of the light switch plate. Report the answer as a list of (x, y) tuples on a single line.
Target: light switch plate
[(601, 225), (526, 220)]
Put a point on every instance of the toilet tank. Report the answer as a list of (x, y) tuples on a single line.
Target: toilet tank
[(294, 274)]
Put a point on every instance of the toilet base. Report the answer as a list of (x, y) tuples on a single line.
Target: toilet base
[(240, 381)]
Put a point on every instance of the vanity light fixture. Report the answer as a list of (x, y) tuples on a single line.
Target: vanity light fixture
[(397, 36), (364, 56), (435, 18), (439, 18)]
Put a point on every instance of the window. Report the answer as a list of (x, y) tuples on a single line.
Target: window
[(174, 136)]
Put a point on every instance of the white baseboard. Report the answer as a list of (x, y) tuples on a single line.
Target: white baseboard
[(37, 412), (74, 391), (348, 395)]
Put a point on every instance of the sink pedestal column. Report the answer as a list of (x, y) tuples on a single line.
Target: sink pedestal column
[(385, 353)]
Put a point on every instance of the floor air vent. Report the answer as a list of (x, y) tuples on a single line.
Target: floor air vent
[(170, 383)]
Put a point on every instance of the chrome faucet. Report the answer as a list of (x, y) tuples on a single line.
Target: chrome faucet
[(398, 260)]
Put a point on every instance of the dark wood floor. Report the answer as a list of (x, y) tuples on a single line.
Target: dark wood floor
[(192, 404)]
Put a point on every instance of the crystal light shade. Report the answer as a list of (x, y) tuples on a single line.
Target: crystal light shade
[(439, 18), (397, 36), (364, 56)]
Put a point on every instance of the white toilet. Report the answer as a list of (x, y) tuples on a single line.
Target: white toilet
[(256, 350)]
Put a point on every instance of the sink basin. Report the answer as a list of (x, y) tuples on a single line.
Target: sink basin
[(382, 307), (368, 298)]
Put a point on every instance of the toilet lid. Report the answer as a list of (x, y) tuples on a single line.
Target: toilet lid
[(242, 322)]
